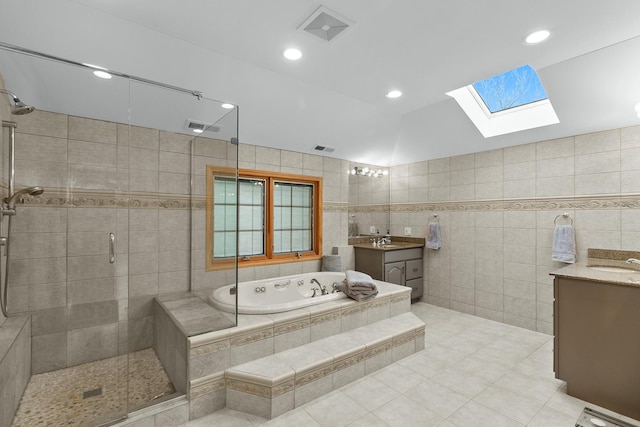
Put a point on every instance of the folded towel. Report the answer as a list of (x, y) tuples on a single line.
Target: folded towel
[(433, 241), (564, 244), (331, 263), (359, 286)]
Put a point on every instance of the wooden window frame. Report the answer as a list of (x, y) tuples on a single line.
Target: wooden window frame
[(268, 258)]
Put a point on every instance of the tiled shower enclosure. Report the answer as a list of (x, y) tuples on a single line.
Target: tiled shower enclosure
[(122, 217)]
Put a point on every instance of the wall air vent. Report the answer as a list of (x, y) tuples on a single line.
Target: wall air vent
[(324, 149), (325, 24), (200, 127)]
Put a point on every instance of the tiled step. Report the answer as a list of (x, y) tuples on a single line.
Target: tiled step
[(275, 384)]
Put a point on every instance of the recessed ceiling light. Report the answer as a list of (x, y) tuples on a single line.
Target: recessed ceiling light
[(394, 94), (537, 37), (227, 106), (292, 54), (102, 74), (198, 130)]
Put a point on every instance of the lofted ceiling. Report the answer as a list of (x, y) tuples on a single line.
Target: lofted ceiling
[(334, 95)]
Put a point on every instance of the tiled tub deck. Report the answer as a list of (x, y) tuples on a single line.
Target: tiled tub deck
[(199, 362)]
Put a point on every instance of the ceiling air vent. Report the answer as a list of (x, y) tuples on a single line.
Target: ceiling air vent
[(325, 24), (200, 127), (324, 149)]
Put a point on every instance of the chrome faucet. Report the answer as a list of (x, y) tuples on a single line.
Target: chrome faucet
[(633, 261), (323, 288)]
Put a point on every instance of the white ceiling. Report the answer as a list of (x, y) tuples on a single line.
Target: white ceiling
[(231, 50)]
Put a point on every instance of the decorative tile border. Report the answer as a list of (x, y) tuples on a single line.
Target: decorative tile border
[(207, 384), (631, 201), (57, 197), (335, 207), (328, 316), (260, 390), (314, 375), (114, 198), (210, 347), (378, 349), (348, 361), (291, 326), (252, 336)]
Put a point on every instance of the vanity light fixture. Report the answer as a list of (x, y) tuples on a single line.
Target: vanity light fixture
[(374, 173), (292, 54), (228, 106), (393, 94), (537, 37)]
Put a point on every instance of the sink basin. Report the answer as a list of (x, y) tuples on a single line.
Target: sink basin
[(614, 269)]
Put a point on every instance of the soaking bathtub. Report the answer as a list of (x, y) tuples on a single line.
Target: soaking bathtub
[(279, 294)]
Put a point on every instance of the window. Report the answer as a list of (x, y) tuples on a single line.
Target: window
[(509, 102), (514, 88), (279, 218)]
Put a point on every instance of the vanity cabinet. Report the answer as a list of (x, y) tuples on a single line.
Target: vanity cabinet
[(597, 342), (401, 266)]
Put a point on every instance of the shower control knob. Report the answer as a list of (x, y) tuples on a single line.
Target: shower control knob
[(3, 241)]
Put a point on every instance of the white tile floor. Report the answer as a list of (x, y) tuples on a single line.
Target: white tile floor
[(473, 372)]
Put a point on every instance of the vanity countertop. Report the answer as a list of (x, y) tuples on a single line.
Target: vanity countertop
[(604, 258), (397, 243)]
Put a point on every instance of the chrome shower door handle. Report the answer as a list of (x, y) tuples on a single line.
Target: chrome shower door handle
[(112, 248)]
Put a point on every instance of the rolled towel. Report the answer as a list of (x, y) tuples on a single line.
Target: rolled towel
[(331, 263), (564, 244), (358, 285), (434, 241)]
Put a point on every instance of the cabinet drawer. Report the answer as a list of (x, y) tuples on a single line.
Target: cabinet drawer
[(416, 286), (414, 269), (402, 254)]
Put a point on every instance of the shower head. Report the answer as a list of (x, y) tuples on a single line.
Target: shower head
[(32, 191), (20, 108)]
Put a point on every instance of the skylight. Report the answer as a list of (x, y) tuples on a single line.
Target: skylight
[(514, 88), (509, 102)]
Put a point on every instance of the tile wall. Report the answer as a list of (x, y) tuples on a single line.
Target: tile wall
[(497, 211), (100, 178)]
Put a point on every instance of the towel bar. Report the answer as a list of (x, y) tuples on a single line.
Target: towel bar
[(564, 215)]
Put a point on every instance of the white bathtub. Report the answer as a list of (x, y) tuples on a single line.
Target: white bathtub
[(278, 294)]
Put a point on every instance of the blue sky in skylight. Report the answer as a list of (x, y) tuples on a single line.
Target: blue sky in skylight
[(512, 89)]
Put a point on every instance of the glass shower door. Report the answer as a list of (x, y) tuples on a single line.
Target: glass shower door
[(64, 269)]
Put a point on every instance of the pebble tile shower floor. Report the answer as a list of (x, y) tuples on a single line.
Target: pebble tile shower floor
[(91, 393)]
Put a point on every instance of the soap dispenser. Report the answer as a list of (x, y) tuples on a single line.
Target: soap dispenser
[(387, 238)]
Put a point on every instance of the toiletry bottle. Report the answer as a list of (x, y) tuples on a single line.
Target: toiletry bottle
[(387, 237)]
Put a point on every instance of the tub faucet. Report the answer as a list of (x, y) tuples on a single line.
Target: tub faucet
[(633, 261), (323, 288)]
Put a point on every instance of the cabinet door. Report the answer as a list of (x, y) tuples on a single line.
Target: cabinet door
[(394, 272)]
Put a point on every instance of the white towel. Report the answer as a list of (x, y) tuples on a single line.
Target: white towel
[(358, 285), (564, 244), (433, 241)]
